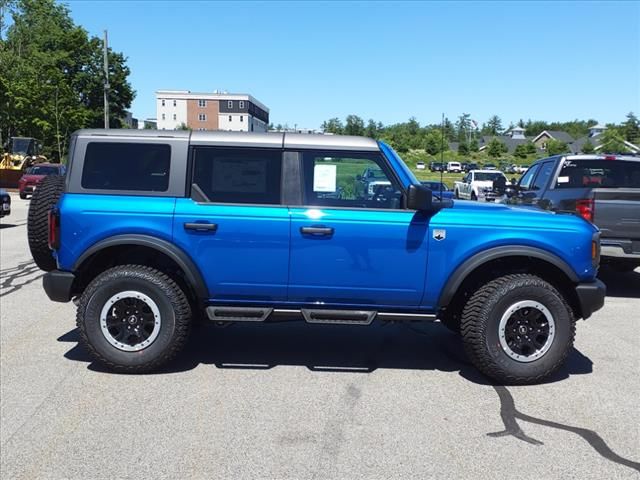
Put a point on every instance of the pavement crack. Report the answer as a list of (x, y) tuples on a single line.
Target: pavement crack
[(14, 278), (510, 416)]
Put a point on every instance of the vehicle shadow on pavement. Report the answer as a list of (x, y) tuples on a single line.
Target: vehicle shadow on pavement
[(355, 349), (621, 284), (329, 348)]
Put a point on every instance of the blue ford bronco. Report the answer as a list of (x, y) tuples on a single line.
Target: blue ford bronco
[(151, 231)]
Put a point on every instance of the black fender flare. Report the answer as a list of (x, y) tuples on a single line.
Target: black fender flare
[(480, 258), (175, 253)]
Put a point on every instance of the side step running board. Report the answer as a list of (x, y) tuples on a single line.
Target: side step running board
[(351, 317), (238, 314)]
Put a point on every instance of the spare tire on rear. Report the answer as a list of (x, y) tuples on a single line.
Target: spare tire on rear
[(44, 198)]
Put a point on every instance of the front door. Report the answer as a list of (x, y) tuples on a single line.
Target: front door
[(352, 243), (234, 226)]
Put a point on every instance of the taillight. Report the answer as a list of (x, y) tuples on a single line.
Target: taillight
[(54, 229), (610, 157), (585, 208)]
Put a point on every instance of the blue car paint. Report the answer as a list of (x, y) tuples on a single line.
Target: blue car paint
[(247, 258), (86, 219), (376, 258)]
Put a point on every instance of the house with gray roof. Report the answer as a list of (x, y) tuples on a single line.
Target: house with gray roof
[(595, 138), (511, 139)]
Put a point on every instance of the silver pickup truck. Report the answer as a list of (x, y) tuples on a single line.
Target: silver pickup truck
[(604, 189)]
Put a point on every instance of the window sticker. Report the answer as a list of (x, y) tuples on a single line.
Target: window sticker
[(563, 179), (324, 178)]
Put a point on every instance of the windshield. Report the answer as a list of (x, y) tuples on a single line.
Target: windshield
[(412, 178), (599, 173), (487, 176), (43, 170), (21, 146)]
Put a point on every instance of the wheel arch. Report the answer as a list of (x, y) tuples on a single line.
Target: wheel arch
[(119, 243), (510, 259)]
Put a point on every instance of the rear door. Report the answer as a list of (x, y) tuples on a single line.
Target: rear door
[(234, 225), (351, 245)]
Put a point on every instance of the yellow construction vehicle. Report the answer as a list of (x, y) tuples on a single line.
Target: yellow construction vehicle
[(20, 153)]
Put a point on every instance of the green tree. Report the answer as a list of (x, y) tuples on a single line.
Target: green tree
[(463, 127), (556, 147), (493, 126), (463, 148), (333, 125), (435, 142), (495, 148), (182, 126), (354, 125), (473, 145), (631, 129), (521, 151), (612, 141), (588, 147), (51, 80), (372, 129)]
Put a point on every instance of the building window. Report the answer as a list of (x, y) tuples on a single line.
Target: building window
[(229, 117), (163, 116), (242, 118), (230, 104), (241, 103), (163, 102), (202, 117), (174, 103), (175, 117), (202, 103)]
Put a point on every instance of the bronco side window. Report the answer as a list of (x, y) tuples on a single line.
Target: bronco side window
[(236, 175), (357, 180), (126, 166)]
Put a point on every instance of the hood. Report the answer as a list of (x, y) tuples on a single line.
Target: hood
[(32, 178)]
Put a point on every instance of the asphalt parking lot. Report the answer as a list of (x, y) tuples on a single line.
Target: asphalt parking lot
[(299, 401)]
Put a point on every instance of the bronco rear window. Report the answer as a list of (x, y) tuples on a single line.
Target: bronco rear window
[(126, 166), (599, 174)]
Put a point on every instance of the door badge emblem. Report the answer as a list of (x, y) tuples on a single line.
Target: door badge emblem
[(439, 234)]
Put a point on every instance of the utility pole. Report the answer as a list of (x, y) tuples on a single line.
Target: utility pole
[(106, 82)]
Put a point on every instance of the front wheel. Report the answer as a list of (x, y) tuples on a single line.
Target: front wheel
[(473, 196), (133, 319), (456, 194), (517, 329)]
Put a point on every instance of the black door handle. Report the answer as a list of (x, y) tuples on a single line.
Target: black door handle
[(316, 231), (201, 227)]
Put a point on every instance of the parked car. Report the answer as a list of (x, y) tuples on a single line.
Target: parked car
[(436, 166), (471, 166), (454, 167), (375, 181), (490, 166), (420, 166), (5, 203), (479, 185), (234, 227), (603, 189), (34, 175), (440, 189)]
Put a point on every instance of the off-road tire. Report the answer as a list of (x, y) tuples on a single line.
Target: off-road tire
[(480, 321), (173, 305), (44, 198)]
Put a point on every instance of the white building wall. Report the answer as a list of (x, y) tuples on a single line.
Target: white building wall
[(231, 121), (166, 113), (259, 125)]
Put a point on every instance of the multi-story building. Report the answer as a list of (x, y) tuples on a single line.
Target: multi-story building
[(210, 111)]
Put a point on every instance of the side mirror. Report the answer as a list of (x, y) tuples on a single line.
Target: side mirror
[(358, 178), (514, 181), (420, 198)]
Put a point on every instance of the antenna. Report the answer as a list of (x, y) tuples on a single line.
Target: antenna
[(441, 155)]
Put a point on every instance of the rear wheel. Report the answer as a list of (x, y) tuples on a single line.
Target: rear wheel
[(517, 329), (43, 199), (133, 319)]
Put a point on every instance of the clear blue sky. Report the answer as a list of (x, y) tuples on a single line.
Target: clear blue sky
[(388, 61)]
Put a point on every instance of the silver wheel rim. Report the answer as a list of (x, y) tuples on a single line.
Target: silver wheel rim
[(526, 323), (130, 321)]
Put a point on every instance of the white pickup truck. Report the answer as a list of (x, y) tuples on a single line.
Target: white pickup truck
[(477, 184)]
